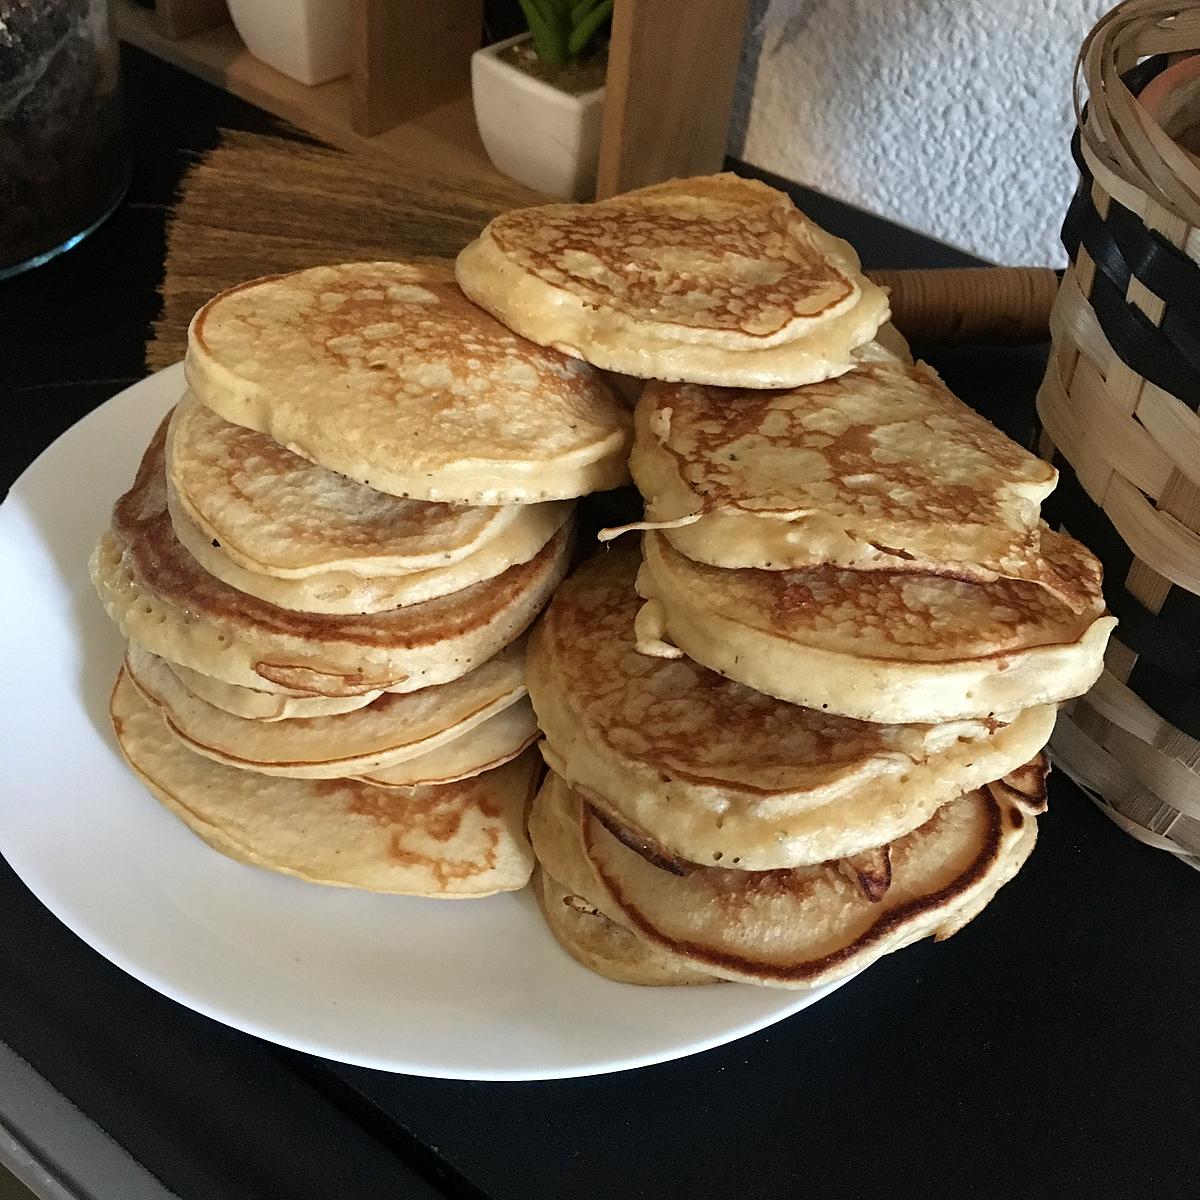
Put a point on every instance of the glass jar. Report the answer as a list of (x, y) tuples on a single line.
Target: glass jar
[(64, 160)]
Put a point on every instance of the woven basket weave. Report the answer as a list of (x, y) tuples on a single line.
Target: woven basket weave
[(1118, 410)]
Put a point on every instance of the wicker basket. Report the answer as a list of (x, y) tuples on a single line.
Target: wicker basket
[(1118, 410)]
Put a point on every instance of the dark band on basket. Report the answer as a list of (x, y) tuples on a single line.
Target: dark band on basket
[(1122, 247), (1171, 636), (1168, 353), (1167, 673)]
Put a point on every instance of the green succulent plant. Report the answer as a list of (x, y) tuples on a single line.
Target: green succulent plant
[(564, 31)]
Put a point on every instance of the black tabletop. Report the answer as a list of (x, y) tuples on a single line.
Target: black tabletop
[(1050, 1049)]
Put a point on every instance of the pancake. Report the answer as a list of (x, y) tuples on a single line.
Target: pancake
[(605, 947), (599, 937), (461, 840), (870, 868), (877, 645), (391, 729), (596, 936), (554, 834), (275, 513), (384, 372), (493, 742), (882, 468), (162, 599), (257, 705), (813, 925), (346, 592), (714, 772), (1026, 786), (714, 280)]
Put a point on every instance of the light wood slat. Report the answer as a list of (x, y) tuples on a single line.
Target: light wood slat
[(1124, 708), (1174, 426), (1112, 435), (1144, 582), (1162, 542), (1075, 330), (1119, 660), (409, 56), (1172, 782), (672, 65), (1088, 763), (1119, 794), (1171, 424), (258, 205), (1058, 420), (1181, 499), (1099, 441), (1139, 294)]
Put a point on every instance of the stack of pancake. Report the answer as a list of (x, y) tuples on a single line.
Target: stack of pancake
[(325, 568), (804, 727)]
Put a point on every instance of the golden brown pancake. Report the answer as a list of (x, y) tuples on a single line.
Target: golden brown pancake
[(386, 373), (878, 645), (392, 729), (162, 599), (484, 747), (1024, 788), (882, 468), (812, 925), (349, 592), (711, 771), (599, 937), (715, 280), (462, 840), (554, 834), (276, 513), (605, 947), (257, 705)]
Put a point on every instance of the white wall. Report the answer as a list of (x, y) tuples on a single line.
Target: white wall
[(949, 116)]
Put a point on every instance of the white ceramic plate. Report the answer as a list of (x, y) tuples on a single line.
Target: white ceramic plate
[(469, 990)]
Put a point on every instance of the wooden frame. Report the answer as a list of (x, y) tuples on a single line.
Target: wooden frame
[(661, 123), (408, 92), (176, 19), (409, 57), (445, 134)]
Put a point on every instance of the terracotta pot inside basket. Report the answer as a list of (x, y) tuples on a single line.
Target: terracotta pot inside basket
[(1172, 98)]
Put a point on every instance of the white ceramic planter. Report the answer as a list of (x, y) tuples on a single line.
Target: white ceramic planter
[(542, 137), (308, 40)]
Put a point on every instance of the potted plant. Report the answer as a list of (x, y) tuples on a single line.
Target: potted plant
[(539, 96), (307, 40)]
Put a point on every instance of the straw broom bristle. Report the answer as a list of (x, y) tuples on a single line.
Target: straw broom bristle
[(260, 205)]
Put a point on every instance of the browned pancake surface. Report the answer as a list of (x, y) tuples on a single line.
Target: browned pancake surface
[(743, 259), (805, 925), (898, 615), (681, 718), (143, 527)]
